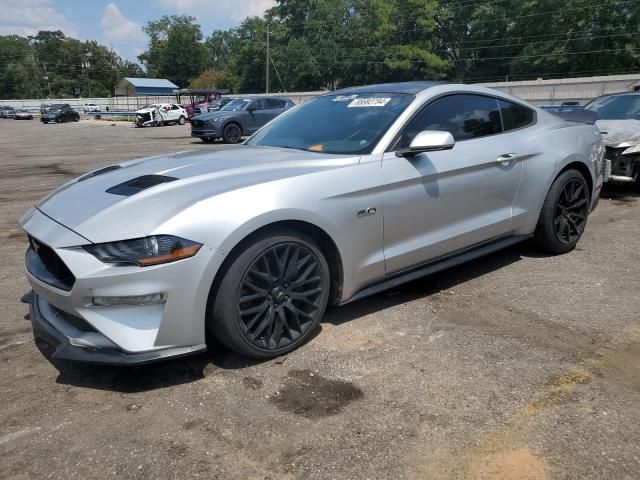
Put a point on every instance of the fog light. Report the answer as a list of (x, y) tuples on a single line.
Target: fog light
[(151, 299)]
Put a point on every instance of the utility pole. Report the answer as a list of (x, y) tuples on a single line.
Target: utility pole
[(268, 60), (46, 77)]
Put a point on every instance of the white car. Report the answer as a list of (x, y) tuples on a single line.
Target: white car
[(170, 114), (90, 107)]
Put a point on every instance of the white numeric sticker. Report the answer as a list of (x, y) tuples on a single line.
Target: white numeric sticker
[(368, 102)]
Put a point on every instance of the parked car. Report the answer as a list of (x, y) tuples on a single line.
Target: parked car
[(7, 111), (44, 108), (161, 114), (618, 117), (22, 114), (238, 118), (60, 113), (346, 195), (90, 107), (218, 104)]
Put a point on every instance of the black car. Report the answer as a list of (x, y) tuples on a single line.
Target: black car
[(7, 111), (60, 113), (238, 118)]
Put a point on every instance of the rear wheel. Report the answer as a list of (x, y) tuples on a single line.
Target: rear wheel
[(564, 214), (181, 120), (272, 296), (76, 118), (232, 133)]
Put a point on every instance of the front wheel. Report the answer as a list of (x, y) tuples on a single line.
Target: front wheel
[(232, 133), (76, 118), (564, 213), (271, 297)]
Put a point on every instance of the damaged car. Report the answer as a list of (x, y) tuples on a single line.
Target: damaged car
[(160, 114), (618, 118)]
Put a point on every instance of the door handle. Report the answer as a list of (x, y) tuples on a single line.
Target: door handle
[(507, 158)]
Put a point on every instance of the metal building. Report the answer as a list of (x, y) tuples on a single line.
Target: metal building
[(557, 91), (133, 87)]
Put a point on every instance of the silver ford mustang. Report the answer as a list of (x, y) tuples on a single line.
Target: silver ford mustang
[(339, 198)]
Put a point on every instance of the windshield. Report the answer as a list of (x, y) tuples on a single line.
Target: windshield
[(236, 105), (616, 107), (340, 124)]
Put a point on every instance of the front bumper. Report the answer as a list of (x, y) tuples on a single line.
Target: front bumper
[(206, 130), (68, 278), (69, 341)]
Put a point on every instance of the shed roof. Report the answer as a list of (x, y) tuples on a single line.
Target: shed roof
[(145, 86)]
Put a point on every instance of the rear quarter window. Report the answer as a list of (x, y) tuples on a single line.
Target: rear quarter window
[(515, 116)]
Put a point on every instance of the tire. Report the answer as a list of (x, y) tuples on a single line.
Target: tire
[(58, 120), (564, 213), (232, 133), (261, 315), (76, 118), (181, 120)]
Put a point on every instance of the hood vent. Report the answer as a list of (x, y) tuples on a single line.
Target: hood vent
[(135, 185)]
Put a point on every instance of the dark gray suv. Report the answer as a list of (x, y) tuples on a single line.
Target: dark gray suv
[(238, 118)]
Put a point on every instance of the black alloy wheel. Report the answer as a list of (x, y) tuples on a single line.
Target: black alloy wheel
[(271, 295), (280, 296), (564, 213), (232, 133), (571, 211)]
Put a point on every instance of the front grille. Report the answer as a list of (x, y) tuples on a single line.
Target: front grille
[(620, 164), (197, 123), (44, 263)]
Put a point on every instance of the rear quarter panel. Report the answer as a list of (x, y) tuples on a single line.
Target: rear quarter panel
[(555, 144)]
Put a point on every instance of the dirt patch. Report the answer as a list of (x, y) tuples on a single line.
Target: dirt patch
[(555, 392), (252, 383), (22, 171), (312, 396), (520, 464)]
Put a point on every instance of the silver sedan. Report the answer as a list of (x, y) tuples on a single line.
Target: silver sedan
[(339, 198)]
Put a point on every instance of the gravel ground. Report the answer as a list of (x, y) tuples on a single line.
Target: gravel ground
[(515, 366)]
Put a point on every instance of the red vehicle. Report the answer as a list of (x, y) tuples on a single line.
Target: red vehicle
[(200, 100)]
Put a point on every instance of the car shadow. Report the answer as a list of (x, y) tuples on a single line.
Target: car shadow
[(218, 357), (620, 193)]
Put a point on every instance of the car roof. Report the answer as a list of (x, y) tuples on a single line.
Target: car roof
[(410, 88)]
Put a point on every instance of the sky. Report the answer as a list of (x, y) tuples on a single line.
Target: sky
[(117, 23)]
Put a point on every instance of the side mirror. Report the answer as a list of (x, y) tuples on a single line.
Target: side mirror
[(428, 141)]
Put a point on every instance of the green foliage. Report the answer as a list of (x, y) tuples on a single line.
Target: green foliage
[(176, 50), (326, 44), (51, 65)]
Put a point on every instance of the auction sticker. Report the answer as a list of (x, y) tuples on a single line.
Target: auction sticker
[(368, 102)]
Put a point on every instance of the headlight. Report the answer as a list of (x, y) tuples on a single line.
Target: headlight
[(214, 120), (145, 251)]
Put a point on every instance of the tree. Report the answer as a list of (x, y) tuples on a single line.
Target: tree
[(215, 79), (50, 64), (176, 50)]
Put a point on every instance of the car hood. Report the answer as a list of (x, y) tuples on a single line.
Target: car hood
[(621, 134), (218, 114), (84, 205)]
